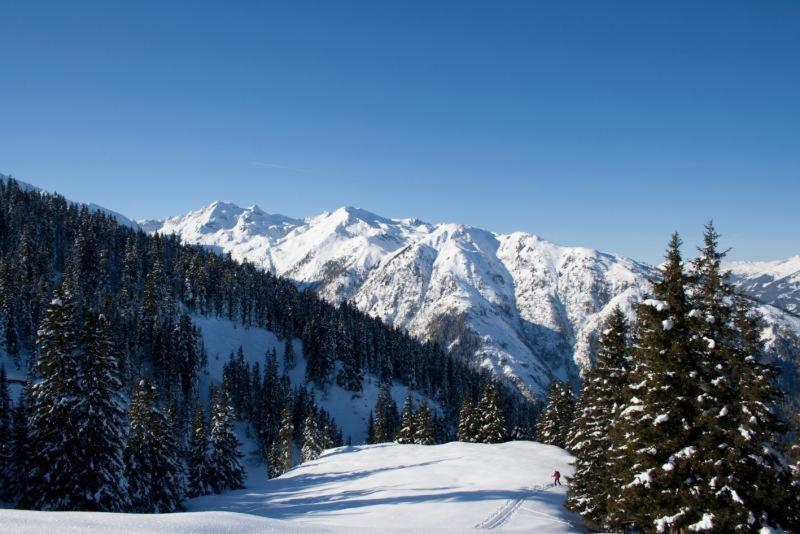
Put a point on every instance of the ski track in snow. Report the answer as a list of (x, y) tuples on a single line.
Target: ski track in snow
[(506, 511)]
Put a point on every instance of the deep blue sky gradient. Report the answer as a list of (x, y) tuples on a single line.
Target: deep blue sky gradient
[(602, 124)]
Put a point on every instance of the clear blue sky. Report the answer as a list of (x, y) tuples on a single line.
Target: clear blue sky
[(603, 124)]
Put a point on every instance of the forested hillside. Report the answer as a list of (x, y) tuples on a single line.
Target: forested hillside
[(99, 317)]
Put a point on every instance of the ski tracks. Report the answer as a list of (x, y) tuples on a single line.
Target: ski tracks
[(507, 510)]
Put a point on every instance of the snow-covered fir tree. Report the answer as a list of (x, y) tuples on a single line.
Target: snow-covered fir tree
[(225, 464), (6, 439), (407, 430), (698, 445), (423, 424), (467, 424), (387, 419), (371, 429), (555, 421), (199, 459), (743, 477), (152, 456), (76, 424), (288, 354), (658, 425), (20, 447), (312, 439), (490, 420), (602, 395), (282, 451)]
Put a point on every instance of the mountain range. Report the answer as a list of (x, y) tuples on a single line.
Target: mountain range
[(525, 308)]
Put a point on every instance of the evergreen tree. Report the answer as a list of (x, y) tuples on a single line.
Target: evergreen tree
[(226, 469), (152, 457), (6, 443), (743, 479), (76, 423), (286, 442), (288, 354), (555, 422), (274, 460), (423, 423), (371, 429), (312, 441), (466, 421), (407, 431), (199, 460), (602, 395), (387, 419), (491, 423), (658, 426), (20, 449)]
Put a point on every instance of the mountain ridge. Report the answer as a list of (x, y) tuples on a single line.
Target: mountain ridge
[(520, 305)]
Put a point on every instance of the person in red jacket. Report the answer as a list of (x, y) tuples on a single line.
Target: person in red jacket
[(556, 478)]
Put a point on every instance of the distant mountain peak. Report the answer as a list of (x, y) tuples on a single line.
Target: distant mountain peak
[(524, 307)]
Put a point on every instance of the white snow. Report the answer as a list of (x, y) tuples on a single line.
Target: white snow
[(659, 305), (456, 487), (705, 523), (662, 418), (667, 324)]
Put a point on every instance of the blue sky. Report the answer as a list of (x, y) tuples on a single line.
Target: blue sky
[(602, 124)]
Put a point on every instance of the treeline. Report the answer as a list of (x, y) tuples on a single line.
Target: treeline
[(677, 426)]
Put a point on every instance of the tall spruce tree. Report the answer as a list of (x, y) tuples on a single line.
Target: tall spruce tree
[(152, 457), (602, 395), (286, 441), (744, 481), (6, 439), (491, 422), (20, 448), (555, 422), (423, 424), (407, 423), (467, 428), (199, 461), (225, 464), (76, 422), (312, 439)]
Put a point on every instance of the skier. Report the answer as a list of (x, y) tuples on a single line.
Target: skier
[(556, 478)]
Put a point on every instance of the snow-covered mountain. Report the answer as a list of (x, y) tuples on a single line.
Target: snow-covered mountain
[(772, 282), (524, 307)]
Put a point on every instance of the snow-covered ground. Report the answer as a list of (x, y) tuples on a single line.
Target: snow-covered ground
[(455, 487)]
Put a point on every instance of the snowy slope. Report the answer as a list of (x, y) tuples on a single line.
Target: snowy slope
[(772, 282), (524, 307), (456, 487), (351, 411)]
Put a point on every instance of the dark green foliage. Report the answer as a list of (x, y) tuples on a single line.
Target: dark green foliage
[(407, 421), (152, 457), (555, 422), (6, 440), (387, 418), (199, 461), (76, 424), (602, 396), (312, 439), (467, 422), (423, 423), (225, 468), (695, 441), (490, 421)]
